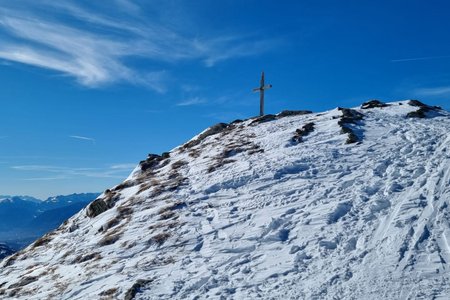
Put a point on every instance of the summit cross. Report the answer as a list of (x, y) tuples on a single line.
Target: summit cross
[(261, 89)]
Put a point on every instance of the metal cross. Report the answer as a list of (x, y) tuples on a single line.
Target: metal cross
[(261, 89)]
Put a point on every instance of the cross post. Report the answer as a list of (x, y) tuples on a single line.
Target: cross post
[(260, 89)]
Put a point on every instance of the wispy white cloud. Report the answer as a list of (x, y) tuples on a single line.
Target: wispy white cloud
[(92, 59), (45, 178), (96, 48), (236, 47), (42, 172), (123, 166), (84, 138), (128, 6), (419, 58), (192, 101), (33, 168), (434, 91), (190, 88)]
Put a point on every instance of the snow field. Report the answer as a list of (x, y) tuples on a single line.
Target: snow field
[(259, 216)]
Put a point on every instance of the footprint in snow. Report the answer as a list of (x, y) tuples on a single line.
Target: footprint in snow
[(379, 205), (395, 187), (277, 230), (329, 245), (288, 170), (380, 170), (340, 211)]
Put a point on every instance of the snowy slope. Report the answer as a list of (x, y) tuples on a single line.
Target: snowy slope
[(250, 213)]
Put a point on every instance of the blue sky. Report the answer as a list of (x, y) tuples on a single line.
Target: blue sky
[(88, 90)]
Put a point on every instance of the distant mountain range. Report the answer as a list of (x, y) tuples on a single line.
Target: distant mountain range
[(5, 251), (23, 219)]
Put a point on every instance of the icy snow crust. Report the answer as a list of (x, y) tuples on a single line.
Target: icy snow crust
[(321, 219)]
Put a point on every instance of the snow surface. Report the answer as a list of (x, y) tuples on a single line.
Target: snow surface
[(258, 216)]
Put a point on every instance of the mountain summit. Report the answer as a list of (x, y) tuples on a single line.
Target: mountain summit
[(345, 204)]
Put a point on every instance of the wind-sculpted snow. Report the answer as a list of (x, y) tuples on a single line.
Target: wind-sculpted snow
[(245, 213)]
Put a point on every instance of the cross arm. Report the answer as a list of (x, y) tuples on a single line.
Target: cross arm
[(266, 87)]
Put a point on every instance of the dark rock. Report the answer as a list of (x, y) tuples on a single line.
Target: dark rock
[(349, 116), (215, 129), (136, 288), (109, 239), (151, 162), (124, 185), (373, 104), (154, 161), (111, 199), (159, 238), (308, 127), (288, 113), (231, 152), (352, 138), (42, 241), (84, 258), (178, 205), (420, 113), (263, 119), (423, 109), (122, 213), (23, 282), (417, 103), (97, 207), (152, 156), (11, 260), (178, 164), (304, 131), (108, 293), (255, 149), (175, 183)]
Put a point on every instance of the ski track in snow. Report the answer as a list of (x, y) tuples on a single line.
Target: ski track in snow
[(316, 220)]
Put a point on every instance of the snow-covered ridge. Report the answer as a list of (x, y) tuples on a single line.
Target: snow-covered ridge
[(11, 199), (353, 205)]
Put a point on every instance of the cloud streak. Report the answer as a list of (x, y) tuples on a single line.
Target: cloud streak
[(419, 58), (49, 172), (192, 101), (434, 91), (97, 48), (83, 138)]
